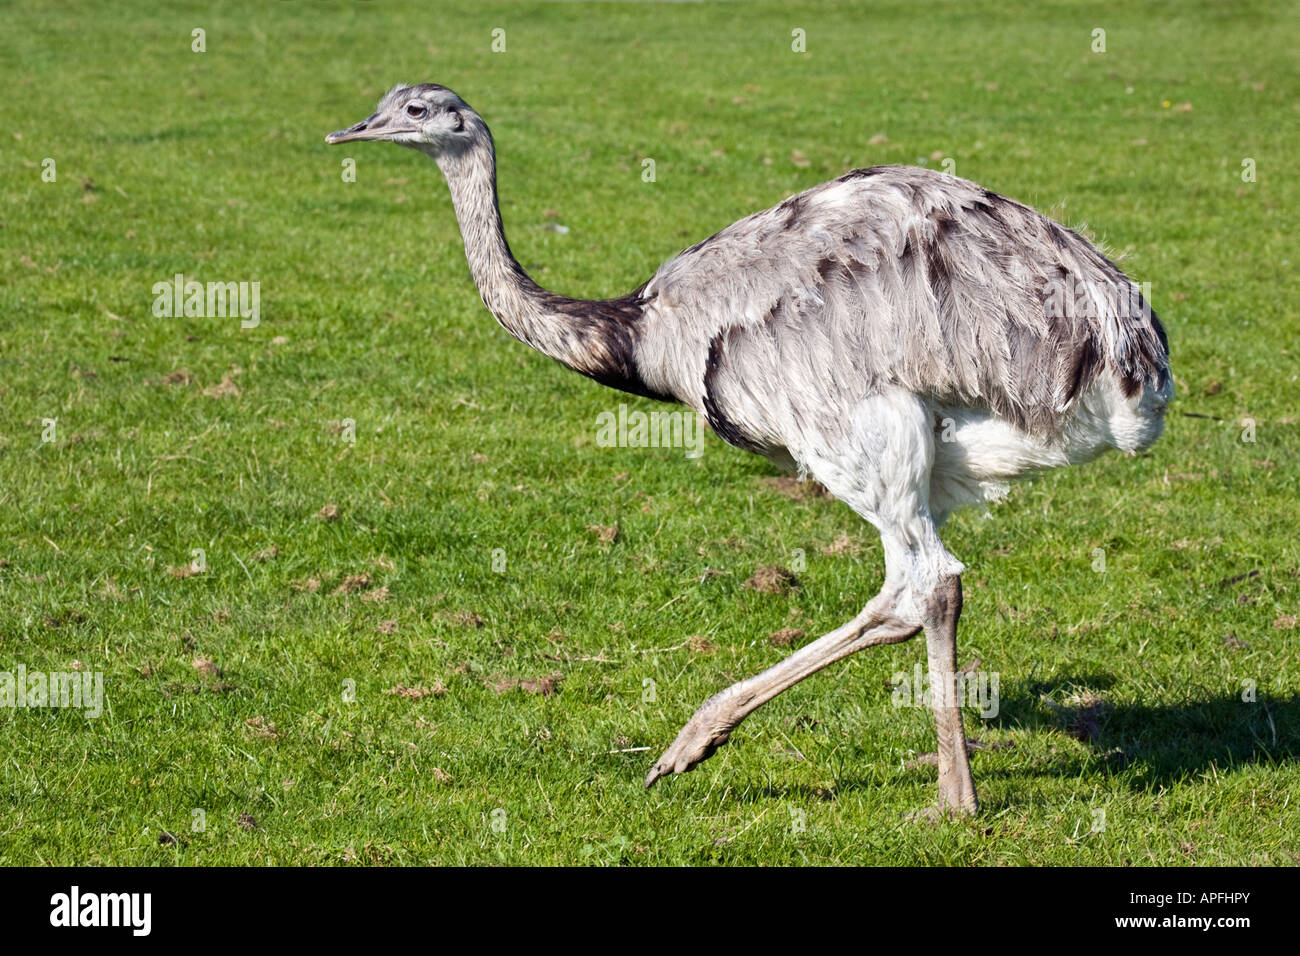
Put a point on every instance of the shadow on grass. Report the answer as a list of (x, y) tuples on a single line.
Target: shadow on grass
[(1143, 746), (1157, 744)]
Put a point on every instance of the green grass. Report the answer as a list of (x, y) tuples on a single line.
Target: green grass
[(213, 165)]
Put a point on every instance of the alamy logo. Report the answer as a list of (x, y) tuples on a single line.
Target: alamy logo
[(103, 909), (977, 689), (191, 298), (79, 691), (637, 429), (1069, 297)]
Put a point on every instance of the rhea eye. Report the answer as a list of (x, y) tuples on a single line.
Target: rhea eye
[(416, 110)]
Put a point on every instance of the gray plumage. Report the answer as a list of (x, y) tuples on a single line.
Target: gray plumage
[(894, 276), (910, 339)]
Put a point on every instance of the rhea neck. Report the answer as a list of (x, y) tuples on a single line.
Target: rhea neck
[(595, 338)]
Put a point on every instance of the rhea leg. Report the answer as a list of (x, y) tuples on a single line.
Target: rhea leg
[(718, 716), (956, 786), (880, 467), (879, 623)]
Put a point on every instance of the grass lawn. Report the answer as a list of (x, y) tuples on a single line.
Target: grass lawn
[(272, 708)]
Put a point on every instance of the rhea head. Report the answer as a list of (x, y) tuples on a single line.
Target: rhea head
[(426, 116)]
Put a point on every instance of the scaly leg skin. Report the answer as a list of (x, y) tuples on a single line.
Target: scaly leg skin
[(713, 723), (956, 786), (704, 733)]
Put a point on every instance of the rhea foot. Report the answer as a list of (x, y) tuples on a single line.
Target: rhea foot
[(703, 734), (956, 802)]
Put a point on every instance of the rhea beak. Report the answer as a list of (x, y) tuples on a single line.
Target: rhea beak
[(367, 130)]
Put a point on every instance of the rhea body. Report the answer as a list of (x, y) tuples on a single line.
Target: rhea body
[(909, 339)]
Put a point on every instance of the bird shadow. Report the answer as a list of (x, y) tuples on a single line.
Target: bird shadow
[(1150, 745), (1144, 747)]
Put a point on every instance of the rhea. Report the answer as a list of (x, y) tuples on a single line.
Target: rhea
[(911, 340)]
